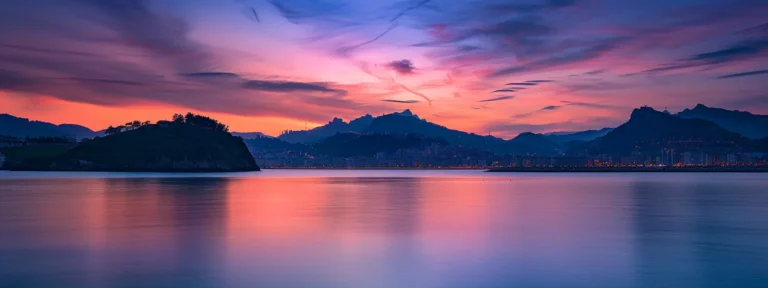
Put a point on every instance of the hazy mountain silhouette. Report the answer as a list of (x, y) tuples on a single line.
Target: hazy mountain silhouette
[(360, 124), (408, 123), (21, 127), (367, 145), (648, 129), (337, 125), (80, 132), (744, 123), (347, 144), (250, 135), (588, 135), (535, 143), (271, 143)]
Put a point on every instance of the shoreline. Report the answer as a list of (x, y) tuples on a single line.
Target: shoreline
[(186, 171), (370, 168), (491, 170), (634, 170)]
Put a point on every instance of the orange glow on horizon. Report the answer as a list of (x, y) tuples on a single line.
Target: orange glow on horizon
[(95, 117)]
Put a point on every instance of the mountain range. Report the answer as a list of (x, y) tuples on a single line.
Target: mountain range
[(412, 124), (647, 129), (744, 123), (317, 134), (651, 130), (367, 145), (565, 137), (22, 128)]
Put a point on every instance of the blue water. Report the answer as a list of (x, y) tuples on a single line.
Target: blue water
[(321, 228)]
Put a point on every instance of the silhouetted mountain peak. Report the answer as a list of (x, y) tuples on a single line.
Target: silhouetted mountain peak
[(366, 118), (528, 135), (645, 113), (337, 125), (700, 106), (336, 120), (407, 113), (360, 124)]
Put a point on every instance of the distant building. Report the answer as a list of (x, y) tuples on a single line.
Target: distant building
[(2, 160), (695, 158)]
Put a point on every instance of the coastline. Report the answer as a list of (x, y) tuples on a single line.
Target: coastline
[(370, 168), (716, 169), (492, 170), (190, 171)]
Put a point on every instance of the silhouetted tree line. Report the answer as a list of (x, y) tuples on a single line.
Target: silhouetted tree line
[(191, 119), (201, 121)]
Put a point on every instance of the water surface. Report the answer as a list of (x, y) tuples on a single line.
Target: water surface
[(406, 228)]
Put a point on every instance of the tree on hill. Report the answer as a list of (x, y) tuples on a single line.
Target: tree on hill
[(191, 119), (204, 122)]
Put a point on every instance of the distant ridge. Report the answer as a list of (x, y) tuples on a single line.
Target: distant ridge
[(250, 135), (588, 135), (648, 129), (317, 134), (745, 123), (407, 123), (701, 127), (367, 145), (535, 143), (22, 127)]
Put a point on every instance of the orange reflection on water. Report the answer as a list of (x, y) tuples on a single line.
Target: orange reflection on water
[(372, 229)]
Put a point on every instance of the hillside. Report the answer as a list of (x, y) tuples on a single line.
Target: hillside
[(535, 144), (21, 127), (405, 123), (275, 145), (173, 147), (588, 135), (744, 123), (317, 134), (648, 129), (367, 145)]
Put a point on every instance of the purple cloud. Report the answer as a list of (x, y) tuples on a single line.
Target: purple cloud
[(401, 101), (750, 73), (403, 67), (497, 99)]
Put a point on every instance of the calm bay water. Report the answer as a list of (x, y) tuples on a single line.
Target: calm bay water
[(312, 228)]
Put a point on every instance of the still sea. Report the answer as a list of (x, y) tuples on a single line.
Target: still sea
[(383, 228)]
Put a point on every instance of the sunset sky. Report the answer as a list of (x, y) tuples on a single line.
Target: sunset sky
[(504, 66)]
